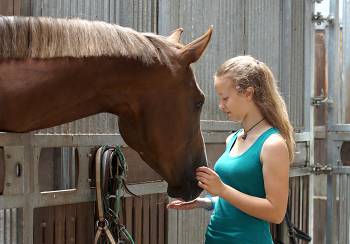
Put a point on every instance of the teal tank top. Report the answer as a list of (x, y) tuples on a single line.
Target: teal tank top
[(228, 224)]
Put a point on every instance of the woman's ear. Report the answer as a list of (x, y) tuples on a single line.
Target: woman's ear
[(249, 93)]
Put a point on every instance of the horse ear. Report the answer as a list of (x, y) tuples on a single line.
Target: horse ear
[(175, 36), (193, 51)]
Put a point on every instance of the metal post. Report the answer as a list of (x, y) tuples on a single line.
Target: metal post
[(309, 81), (346, 61), (332, 34)]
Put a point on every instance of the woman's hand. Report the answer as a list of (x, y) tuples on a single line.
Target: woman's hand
[(209, 180), (199, 202)]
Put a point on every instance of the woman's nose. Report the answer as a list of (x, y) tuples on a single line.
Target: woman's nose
[(221, 107)]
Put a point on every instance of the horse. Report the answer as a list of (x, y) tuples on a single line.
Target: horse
[(54, 71)]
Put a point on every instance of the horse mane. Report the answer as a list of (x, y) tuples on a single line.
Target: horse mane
[(45, 37)]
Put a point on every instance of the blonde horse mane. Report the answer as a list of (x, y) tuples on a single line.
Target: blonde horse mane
[(44, 37)]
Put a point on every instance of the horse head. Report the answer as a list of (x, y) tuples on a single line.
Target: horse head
[(163, 125)]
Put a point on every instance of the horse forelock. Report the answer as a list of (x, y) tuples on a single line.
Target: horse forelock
[(44, 37)]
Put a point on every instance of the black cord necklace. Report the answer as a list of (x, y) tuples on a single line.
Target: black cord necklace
[(246, 132)]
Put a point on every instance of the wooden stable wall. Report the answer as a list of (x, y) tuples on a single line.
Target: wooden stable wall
[(144, 217), (10, 7)]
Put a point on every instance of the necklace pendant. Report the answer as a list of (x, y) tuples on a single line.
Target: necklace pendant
[(244, 136)]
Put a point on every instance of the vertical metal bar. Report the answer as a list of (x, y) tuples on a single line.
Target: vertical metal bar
[(309, 81), (341, 207), (346, 60), (2, 226), (286, 47), (14, 224), (348, 209), (7, 226), (30, 169), (332, 35)]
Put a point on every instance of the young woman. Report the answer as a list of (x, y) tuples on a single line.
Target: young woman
[(249, 184)]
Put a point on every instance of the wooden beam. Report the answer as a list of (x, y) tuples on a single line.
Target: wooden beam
[(6, 7), (17, 7)]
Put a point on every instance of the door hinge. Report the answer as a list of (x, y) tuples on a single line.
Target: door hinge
[(319, 18), (321, 169), (318, 100)]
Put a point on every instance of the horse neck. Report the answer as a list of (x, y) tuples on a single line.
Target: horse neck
[(55, 91)]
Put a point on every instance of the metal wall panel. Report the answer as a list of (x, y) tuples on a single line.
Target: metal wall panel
[(263, 32), (241, 28), (195, 16), (296, 83)]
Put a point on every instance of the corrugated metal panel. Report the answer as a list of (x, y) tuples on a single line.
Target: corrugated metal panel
[(195, 16), (139, 15), (10, 229), (296, 83), (264, 39), (262, 32)]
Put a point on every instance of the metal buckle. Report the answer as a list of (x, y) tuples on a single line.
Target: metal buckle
[(102, 223)]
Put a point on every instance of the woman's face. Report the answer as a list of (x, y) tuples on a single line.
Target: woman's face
[(230, 101)]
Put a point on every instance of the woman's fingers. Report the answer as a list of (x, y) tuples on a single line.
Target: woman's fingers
[(177, 204), (202, 179), (205, 170), (202, 185), (204, 175)]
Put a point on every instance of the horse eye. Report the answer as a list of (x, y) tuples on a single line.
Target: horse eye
[(199, 104)]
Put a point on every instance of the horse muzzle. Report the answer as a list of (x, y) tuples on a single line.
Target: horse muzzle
[(187, 192)]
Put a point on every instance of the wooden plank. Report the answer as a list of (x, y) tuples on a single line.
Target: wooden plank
[(320, 216), (2, 170), (153, 219), (128, 214), (161, 218), (60, 216), (146, 219), (17, 7), (6, 7), (46, 169), (137, 220), (320, 76), (43, 225), (85, 229), (70, 224)]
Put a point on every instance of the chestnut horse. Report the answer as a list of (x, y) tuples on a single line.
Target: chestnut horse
[(53, 71)]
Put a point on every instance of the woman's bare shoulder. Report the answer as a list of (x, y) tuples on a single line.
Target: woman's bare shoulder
[(274, 149)]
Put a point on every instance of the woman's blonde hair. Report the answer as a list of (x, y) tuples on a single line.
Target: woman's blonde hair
[(247, 71)]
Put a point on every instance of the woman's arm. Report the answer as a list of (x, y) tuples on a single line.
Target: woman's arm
[(275, 159)]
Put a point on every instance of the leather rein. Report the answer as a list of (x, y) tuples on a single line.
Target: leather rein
[(111, 171)]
